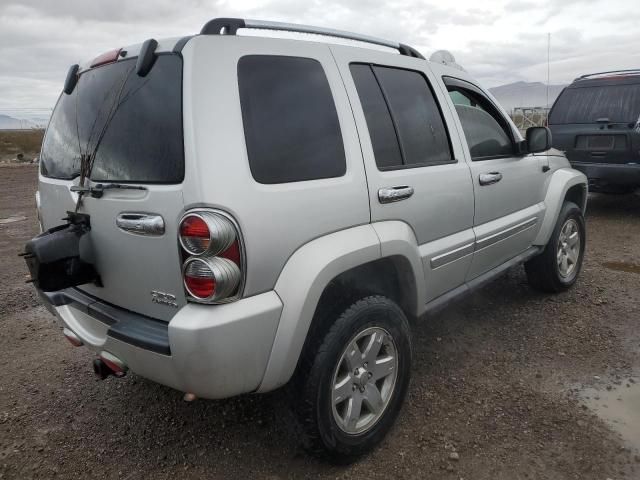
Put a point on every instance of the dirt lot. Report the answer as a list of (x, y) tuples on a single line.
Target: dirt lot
[(20, 142), (502, 379)]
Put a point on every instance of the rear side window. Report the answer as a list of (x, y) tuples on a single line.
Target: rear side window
[(404, 121), (616, 103), (130, 125), (485, 129), (290, 120), (386, 148)]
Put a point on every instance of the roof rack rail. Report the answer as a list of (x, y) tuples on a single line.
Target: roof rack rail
[(618, 72), (230, 26)]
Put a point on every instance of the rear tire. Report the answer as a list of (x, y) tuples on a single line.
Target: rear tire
[(351, 389), (557, 268)]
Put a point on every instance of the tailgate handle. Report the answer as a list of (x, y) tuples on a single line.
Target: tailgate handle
[(140, 223)]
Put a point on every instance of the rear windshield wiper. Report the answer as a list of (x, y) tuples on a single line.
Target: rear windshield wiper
[(98, 190)]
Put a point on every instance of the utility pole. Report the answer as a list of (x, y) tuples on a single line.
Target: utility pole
[(548, 61)]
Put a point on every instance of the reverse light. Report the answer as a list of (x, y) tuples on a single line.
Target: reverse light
[(210, 278)]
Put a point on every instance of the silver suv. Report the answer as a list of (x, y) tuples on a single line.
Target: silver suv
[(242, 212)]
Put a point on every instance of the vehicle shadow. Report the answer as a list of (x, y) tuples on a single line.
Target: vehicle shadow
[(616, 205)]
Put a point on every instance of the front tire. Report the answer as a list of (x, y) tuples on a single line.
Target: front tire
[(557, 268), (357, 380)]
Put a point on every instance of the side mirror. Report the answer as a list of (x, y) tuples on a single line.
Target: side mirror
[(538, 139)]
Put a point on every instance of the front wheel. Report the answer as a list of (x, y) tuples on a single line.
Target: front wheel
[(356, 381), (556, 269)]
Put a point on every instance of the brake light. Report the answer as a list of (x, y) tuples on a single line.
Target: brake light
[(194, 235), (212, 254), (107, 57), (206, 232)]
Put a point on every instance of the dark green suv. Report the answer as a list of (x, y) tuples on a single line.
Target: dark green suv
[(595, 121)]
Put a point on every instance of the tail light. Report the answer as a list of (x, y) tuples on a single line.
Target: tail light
[(212, 267), (206, 233)]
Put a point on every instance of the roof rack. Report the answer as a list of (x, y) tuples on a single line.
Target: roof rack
[(615, 72), (230, 26)]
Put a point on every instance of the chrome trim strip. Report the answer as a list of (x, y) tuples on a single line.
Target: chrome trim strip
[(452, 255), (140, 223), (506, 233)]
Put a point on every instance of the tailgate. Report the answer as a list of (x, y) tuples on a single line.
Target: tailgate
[(131, 266), (124, 131)]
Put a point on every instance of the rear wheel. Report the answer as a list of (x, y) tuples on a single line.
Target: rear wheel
[(556, 269), (356, 382)]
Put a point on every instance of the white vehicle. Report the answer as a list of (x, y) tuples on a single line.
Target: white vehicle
[(244, 213)]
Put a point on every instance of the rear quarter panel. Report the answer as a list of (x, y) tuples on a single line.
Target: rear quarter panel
[(275, 220)]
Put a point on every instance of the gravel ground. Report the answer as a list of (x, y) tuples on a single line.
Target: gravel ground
[(496, 388)]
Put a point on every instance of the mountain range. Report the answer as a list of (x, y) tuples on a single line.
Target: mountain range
[(525, 94), (10, 123)]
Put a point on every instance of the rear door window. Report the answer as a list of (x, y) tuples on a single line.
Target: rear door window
[(404, 120), (130, 126), (291, 125)]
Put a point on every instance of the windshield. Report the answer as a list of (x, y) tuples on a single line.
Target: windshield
[(134, 122), (617, 103)]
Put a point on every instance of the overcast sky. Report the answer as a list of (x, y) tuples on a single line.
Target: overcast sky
[(498, 41)]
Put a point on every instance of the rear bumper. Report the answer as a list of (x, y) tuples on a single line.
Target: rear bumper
[(605, 175), (212, 351)]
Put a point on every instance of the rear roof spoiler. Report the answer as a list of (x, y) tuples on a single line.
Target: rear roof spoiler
[(230, 26)]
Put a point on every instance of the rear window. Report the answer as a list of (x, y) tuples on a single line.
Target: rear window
[(290, 120), (132, 125), (617, 103)]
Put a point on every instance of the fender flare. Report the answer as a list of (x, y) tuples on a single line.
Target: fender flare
[(307, 273), (559, 184)]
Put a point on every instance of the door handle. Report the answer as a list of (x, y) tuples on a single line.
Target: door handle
[(140, 223), (490, 178), (394, 194)]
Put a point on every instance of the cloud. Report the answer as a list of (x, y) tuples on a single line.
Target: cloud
[(498, 41)]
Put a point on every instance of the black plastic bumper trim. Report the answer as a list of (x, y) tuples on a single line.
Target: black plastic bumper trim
[(129, 327)]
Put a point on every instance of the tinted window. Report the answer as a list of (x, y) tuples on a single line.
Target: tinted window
[(420, 128), (290, 120), (484, 127), (381, 130), (618, 103), (130, 125)]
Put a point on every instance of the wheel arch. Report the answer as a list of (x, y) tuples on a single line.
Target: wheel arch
[(325, 274), (565, 184)]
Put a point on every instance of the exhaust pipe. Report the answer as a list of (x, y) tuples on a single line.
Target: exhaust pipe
[(108, 364), (100, 369)]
